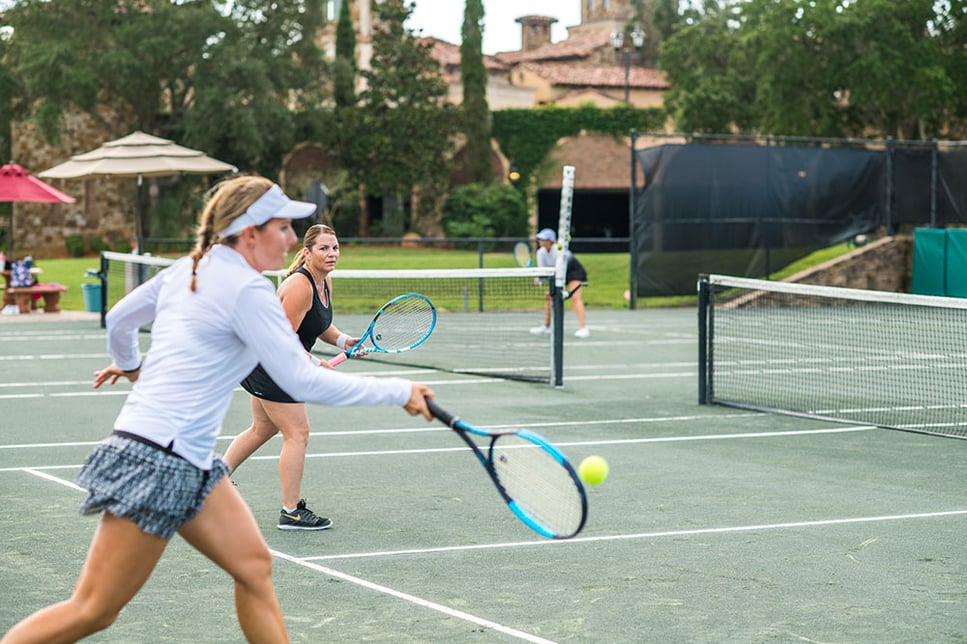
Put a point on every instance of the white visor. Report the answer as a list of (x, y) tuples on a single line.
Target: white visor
[(272, 205)]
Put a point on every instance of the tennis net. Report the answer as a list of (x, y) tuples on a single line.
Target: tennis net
[(870, 357), (483, 314)]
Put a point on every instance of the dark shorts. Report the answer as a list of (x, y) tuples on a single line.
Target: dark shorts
[(156, 489), (259, 384), (575, 273)]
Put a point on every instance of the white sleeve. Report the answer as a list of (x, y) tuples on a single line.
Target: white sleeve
[(261, 323), (544, 258), (125, 318)]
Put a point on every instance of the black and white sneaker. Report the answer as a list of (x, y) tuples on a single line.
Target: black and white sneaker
[(302, 519)]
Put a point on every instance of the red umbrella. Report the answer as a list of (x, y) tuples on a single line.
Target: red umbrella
[(16, 184)]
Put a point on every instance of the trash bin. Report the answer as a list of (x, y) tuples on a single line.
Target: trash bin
[(92, 297)]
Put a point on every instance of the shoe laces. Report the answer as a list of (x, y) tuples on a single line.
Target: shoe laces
[(306, 513)]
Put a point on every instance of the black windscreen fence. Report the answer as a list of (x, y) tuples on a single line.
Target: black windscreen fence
[(749, 210)]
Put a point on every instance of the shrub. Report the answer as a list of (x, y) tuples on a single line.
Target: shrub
[(477, 210), (96, 244), (74, 245)]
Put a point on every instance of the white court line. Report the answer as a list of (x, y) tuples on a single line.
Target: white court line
[(596, 443), (51, 383), (58, 356), (421, 430), (435, 383), (651, 535), (446, 610), (55, 479), (451, 612)]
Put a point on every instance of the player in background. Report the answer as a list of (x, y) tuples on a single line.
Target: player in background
[(575, 276), (306, 296)]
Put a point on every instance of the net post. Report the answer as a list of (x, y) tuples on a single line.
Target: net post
[(632, 240), (557, 334), (564, 226), (103, 276), (704, 300)]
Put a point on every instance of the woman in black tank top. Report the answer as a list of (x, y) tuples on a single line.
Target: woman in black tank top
[(306, 296)]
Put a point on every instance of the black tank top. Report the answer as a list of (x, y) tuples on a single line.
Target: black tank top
[(316, 321), (319, 317)]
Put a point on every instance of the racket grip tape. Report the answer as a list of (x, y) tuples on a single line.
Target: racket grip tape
[(440, 413), (342, 357)]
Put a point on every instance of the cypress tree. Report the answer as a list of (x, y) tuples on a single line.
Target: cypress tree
[(476, 112), (344, 69)]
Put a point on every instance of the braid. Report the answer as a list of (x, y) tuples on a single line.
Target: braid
[(204, 242)]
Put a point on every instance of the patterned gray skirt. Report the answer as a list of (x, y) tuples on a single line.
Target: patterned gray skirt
[(145, 483)]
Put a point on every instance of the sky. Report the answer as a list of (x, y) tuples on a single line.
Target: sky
[(443, 19)]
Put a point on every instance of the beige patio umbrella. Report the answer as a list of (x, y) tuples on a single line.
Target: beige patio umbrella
[(137, 155)]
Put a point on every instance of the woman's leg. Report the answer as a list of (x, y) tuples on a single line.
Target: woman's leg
[(246, 443), (120, 560), (577, 302), (226, 532), (292, 420)]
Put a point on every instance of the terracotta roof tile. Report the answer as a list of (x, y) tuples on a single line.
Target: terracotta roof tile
[(564, 50), (448, 55), (598, 75)]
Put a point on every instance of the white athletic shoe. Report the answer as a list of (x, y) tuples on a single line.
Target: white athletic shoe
[(583, 332), (541, 330)]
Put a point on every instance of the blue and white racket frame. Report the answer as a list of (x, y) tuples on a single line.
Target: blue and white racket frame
[(379, 341), (567, 472)]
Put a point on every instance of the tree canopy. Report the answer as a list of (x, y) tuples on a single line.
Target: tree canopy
[(831, 68), (401, 128), (224, 77)]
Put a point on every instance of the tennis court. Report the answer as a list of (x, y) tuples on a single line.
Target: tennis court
[(716, 524)]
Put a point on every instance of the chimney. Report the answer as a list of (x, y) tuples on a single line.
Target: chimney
[(535, 31)]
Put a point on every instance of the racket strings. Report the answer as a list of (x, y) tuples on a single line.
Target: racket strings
[(539, 484), (522, 254), (402, 323)]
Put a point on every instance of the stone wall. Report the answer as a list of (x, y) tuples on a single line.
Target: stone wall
[(882, 265)]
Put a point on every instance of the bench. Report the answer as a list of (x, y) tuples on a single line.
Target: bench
[(23, 296)]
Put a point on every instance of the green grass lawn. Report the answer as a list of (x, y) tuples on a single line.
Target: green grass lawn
[(608, 273)]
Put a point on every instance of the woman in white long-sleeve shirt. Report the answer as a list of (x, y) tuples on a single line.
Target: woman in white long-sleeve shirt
[(214, 317)]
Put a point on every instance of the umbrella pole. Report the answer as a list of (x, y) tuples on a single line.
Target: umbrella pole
[(9, 236), (139, 225)]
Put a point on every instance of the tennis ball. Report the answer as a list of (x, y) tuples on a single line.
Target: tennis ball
[(593, 470)]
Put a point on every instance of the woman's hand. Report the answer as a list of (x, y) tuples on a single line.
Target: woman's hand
[(416, 405), (112, 373)]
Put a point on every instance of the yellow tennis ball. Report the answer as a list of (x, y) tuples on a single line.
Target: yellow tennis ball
[(593, 470)]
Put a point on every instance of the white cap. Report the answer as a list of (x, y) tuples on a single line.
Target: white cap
[(547, 235), (272, 205)]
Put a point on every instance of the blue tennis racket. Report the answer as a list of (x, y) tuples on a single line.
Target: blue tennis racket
[(534, 478), (403, 323)]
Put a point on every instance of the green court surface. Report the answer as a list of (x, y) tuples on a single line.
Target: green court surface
[(715, 525)]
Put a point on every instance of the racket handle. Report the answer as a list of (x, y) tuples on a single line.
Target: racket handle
[(568, 294), (440, 413), (342, 357)]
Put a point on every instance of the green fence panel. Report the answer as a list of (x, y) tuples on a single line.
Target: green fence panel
[(955, 268), (929, 262)]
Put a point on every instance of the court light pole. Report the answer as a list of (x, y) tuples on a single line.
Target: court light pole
[(617, 41)]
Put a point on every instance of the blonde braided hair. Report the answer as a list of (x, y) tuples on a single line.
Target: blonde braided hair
[(226, 201)]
